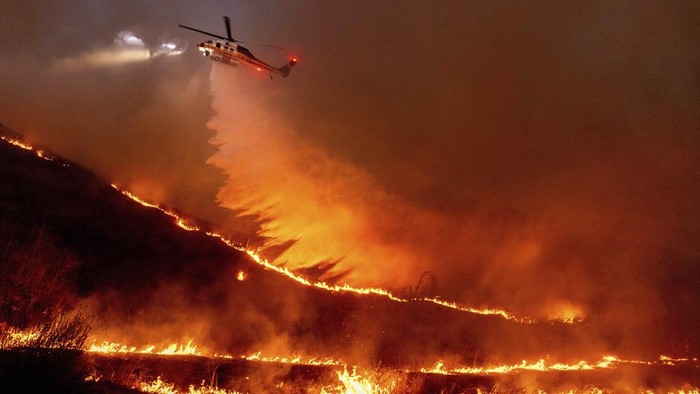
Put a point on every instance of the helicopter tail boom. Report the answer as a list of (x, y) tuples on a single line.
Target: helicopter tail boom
[(284, 70)]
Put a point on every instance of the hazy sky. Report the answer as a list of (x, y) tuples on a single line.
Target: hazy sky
[(494, 143)]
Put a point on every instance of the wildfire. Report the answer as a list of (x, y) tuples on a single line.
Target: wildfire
[(348, 382), (182, 223)]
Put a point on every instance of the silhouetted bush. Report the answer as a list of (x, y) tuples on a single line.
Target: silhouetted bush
[(35, 278)]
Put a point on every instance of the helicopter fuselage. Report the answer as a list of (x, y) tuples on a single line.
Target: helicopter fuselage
[(227, 51), (231, 53)]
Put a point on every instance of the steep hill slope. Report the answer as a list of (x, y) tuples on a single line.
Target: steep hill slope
[(146, 280)]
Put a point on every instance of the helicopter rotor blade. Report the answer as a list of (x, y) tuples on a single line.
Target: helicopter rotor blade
[(203, 32), (227, 22), (266, 46)]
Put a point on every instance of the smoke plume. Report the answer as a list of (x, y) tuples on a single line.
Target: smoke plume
[(548, 169)]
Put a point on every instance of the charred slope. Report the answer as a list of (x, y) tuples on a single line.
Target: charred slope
[(148, 280), (121, 245)]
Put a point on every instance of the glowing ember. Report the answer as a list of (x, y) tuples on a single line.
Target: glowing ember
[(241, 276)]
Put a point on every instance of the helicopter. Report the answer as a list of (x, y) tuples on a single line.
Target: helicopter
[(228, 51)]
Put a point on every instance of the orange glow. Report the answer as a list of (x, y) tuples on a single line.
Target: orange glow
[(241, 276), (566, 312), (322, 285)]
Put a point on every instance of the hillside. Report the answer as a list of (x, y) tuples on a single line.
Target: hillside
[(142, 279)]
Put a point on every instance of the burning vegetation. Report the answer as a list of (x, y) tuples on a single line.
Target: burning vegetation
[(101, 291)]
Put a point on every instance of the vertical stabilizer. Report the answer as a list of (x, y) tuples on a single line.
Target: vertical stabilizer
[(284, 70)]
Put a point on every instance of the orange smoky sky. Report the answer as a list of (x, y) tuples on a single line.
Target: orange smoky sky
[(538, 156)]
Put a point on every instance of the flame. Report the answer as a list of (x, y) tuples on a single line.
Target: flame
[(292, 360), (241, 276), (159, 386), (483, 311), (175, 348), (606, 362), (189, 349), (358, 384), (21, 144), (15, 338)]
